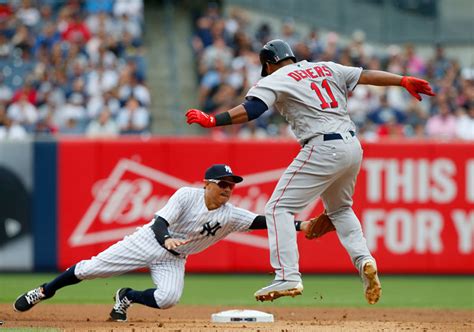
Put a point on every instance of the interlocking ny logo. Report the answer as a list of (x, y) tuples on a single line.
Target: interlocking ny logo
[(211, 230)]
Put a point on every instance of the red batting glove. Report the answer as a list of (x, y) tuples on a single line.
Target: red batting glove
[(201, 118), (415, 86)]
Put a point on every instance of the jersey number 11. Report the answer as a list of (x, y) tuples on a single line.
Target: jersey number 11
[(324, 103)]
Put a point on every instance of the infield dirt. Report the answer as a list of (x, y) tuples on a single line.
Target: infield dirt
[(183, 318)]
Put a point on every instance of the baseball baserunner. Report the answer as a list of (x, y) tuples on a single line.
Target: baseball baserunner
[(192, 220), (312, 97)]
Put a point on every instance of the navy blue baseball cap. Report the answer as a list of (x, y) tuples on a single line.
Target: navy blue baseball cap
[(219, 171)]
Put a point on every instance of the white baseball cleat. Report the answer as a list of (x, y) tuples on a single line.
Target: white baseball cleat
[(372, 286), (279, 288)]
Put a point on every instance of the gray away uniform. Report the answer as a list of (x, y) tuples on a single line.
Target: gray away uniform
[(313, 99)]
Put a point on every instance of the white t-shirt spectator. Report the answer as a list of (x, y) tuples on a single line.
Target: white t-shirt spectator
[(133, 121), (138, 91), (29, 16), (96, 104), (23, 112), (104, 126), (100, 81), (133, 8), (6, 93), (465, 126), (13, 132)]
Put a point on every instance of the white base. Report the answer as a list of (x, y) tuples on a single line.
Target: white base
[(242, 316)]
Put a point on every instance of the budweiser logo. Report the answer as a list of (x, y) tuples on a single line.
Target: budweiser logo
[(131, 194)]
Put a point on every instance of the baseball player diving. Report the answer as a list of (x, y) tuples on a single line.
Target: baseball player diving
[(312, 97), (192, 220)]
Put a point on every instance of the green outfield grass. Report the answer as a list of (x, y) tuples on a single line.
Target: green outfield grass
[(456, 292)]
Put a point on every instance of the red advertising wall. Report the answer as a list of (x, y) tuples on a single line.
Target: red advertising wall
[(414, 199)]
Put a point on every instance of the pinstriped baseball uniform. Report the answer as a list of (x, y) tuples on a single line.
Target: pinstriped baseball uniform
[(313, 99), (188, 218)]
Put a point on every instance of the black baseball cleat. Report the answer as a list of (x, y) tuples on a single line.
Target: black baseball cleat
[(122, 303), (29, 299)]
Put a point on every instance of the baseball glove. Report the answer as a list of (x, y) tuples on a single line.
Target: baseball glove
[(319, 226)]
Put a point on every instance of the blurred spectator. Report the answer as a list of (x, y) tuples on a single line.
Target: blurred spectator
[(134, 8), (101, 80), (6, 92), (315, 44), (6, 47), (129, 24), (210, 83), (386, 113), (361, 100), (395, 62), (218, 51), (101, 21), (103, 126), (236, 22), (465, 123), (97, 103), (46, 126), (289, 33), (443, 124), (416, 118), (76, 31), (440, 63), (331, 49), (23, 40), (202, 37), (72, 116), (10, 130), (133, 119), (6, 11), (134, 87), (359, 51), (47, 38), (414, 63), (66, 55), (23, 112), (390, 128), (47, 16), (28, 14), (263, 33)]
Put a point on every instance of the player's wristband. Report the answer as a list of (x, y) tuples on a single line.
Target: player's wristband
[(298, 225), (223, 119)]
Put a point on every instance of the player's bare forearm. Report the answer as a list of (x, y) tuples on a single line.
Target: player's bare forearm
[(238, 114), (413, 85), (380, 78)]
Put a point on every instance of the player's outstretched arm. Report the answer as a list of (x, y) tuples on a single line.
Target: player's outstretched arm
[(251, 109), (233, 116), (413, 85), (313, 228)]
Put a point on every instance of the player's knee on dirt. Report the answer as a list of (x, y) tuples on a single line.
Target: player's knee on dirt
[(167, 298)]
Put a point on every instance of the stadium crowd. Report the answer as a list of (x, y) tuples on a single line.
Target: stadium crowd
[(78, 67), (228, 65), (72, 67)]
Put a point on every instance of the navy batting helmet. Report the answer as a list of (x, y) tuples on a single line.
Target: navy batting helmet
[(273, 52)]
